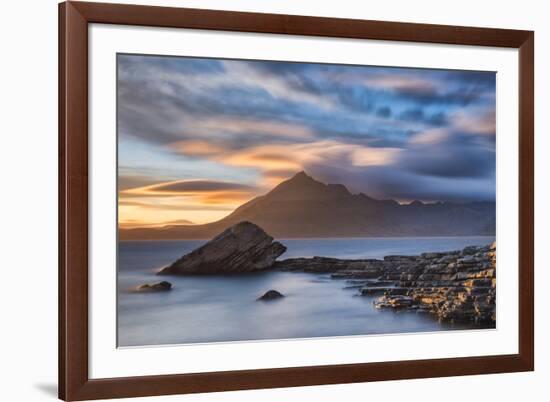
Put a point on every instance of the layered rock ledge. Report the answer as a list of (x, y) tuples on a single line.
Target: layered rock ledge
[(454, 286), (242, 248)]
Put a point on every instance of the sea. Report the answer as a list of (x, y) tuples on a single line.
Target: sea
[(224, 308)]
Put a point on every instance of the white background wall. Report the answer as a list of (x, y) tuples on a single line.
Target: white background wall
[(28, 198)]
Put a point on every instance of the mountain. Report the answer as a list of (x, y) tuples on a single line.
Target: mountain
[(305, 207)]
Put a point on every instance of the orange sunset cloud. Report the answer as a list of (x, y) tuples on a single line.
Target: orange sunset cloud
[(166, 202)]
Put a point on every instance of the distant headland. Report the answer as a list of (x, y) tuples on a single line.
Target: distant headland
[(303, 207)]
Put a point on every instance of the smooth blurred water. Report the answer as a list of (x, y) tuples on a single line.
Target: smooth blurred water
[(224, 308)]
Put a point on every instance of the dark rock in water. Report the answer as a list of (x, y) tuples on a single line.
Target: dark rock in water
[(366, 267), (271, 295), (244, 247), (156, 287)]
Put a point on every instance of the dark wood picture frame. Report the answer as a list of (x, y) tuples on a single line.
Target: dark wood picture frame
[(74, 381)]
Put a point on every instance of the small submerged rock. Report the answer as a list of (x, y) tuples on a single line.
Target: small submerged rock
[(271, 295), (156, 287)]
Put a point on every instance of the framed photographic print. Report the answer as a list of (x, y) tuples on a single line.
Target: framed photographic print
[(258, 200)]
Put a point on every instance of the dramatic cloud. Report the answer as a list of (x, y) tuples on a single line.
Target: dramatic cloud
[(482, 122), (278, 162), (187, 187), (202, 136), (450, 156)]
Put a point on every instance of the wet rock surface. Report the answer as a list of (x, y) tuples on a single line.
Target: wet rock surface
[(455, 286), (364, 268), (156, 287), (243, 247), (270, 295)]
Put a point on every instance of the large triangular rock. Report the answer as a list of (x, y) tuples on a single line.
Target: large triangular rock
[(244, 247)]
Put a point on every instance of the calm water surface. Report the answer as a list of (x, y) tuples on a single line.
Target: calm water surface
[(224, 308)]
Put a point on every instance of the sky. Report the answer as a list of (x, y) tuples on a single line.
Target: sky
[(198, 137)]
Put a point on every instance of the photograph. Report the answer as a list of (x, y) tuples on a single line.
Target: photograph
[(267, 200), (271, 201)]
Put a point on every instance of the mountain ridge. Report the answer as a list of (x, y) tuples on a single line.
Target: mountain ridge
[(302, 207)]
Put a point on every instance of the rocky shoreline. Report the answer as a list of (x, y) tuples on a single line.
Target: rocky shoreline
[(454, 286)]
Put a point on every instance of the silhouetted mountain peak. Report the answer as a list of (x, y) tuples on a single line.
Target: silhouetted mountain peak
[(303, 186), (301, 177), (416, 203), (304, 207)]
